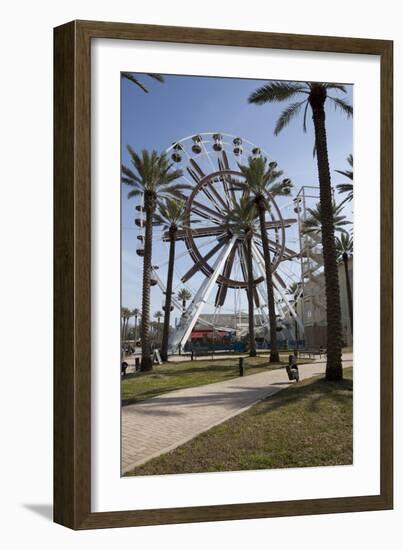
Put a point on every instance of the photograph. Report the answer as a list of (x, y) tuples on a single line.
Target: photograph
[(236, 274)]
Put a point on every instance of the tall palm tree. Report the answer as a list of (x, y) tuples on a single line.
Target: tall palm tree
[(316, 95), (242, 219), (158, 315), (170, 215), (262, 182), (153, 175), (125, 315), (344, 248), (349, 173), (136, 314), (184, 295), (313, 222), (137, 82)]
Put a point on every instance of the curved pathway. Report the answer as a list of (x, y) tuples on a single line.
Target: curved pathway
[(160, 424)]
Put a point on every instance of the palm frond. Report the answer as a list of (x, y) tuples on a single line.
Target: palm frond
[(276, 91), (135, 81), (347, 173), (156, 76), (289, 112), (342, 105), (345, 187), (344, 245), (281, 188), (134, 193), (333, 86), (313, 223), (305, 113)]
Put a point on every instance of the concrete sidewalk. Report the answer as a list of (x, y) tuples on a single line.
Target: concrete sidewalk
[(162, 423)]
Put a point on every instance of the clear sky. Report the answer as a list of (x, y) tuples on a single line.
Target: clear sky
[(186, 105)]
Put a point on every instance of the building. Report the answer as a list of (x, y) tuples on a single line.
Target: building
[(312, 308)]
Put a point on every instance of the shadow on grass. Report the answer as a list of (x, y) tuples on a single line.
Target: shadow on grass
[(316, 389)]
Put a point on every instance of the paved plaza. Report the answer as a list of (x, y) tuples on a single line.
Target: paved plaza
[(160, 424)]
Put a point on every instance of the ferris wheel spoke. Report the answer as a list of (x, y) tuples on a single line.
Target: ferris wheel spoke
[(218, 196), (201, 214), (223, 288), (197, 233), (289, 254), (274, 246), (256, 297), (224, 182), (232, 187), (225, 160), (198, 207), (207, 189), (242, 252), (279, 279), (196, 267), (277, 224)]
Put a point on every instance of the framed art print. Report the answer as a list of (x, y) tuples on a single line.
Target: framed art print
[(223, 275)]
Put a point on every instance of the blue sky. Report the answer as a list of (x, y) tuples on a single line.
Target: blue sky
[(186, 105)]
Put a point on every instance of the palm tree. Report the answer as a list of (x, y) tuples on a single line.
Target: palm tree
[(241, 219), (347, 187), (313, 222), (293, 288), (152, 175), (344, 249), (136, 314), (137, 82), (261, 183), (157, 315), (125, 315), (317, 94), (184, 295), (170, 215)]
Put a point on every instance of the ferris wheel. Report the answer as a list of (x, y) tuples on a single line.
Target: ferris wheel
[(210, 260)]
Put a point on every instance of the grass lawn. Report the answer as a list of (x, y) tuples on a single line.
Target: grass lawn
[(174, 376), (307, 424)]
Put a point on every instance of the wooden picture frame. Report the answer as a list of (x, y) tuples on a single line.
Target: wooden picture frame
[(72, 270)]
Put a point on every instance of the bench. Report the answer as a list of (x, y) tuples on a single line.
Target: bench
[(311, 353)]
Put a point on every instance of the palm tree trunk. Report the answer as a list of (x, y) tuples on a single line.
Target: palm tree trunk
[(334, 370), (135, 331), (274, 356), (168, 296), (251, 311), (348, 287), (149, 207)]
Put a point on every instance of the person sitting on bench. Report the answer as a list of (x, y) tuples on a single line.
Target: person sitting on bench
[(292, 368)]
